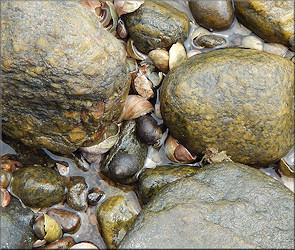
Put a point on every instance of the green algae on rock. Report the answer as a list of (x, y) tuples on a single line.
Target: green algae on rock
[(64, 77), (236, 100), (156, 25), (151, 180), (115, 216), (273, 21), (224, 205), (38, 186)]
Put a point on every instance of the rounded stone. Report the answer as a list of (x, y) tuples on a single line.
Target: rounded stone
[(64, 77), (213, 15), (235, 100), (225, 205), (273, 21), (156, 25), (38, 186)]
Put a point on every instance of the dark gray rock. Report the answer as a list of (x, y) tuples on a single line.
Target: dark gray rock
[(128, 143), (16, 226), (225, 205)]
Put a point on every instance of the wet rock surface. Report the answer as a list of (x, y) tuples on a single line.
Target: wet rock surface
[(64, 76), (115, 216), (16, 226), (77, 193), (271, 20), (214, 15), (38, 186), (67, 220), (151, 180), (210, 41), (128, 143), (247, 113), (226, 204), (156, 25)]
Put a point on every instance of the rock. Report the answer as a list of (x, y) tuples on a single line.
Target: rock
[(63, 243), (16, 226), (77, 193), (273, 21), (115, 216), (67, 220), (224, 205), (241, 102), (127, 143), (38, 186), (151, 180), (213, 15), (210, 41), (64, 76), (149, 29)]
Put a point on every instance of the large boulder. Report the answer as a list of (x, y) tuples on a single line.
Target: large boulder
[(225, 205), (271, 20), (237, 100), (64, 76)]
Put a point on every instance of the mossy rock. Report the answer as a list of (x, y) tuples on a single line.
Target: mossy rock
[(151, 180), (235, 100), (156, 24), (38, 186), (64, 77), (271, 20), (115, 215), (225, 205)]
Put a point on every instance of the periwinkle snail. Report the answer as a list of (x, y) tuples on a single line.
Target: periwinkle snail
[(147, 129)]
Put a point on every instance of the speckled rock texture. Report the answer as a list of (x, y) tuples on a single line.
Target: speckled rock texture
[(156, 24), (64, 77), (38, 186), (271, 20), (151, 180), (225, 205), (237, 100), (115, 215), (214, 15), (16, 226)]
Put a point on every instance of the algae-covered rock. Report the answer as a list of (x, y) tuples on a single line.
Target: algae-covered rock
[(64, 77), (224, 205), (235, 100), (16, 226), (151, 180), (156, 24), (38, 186), (115, 215), (271, 20), (129, 145), (215, 15)]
